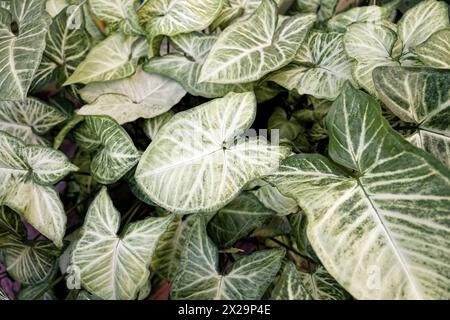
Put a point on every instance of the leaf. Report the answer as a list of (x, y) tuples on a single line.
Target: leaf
[(152, 126), (29, 263), (271, 198), (111, 59), (324, 9), (54, 7), (10, 224), (30, 292), (21, 51), (420, 96), (113, 149), (113, 266), (435, 52), (370, 14), (186, 69), (3, 295), (201, 159), (420, 22), (248, 50), (118, 14), (320, 67), (27, 173), (237, 219), (173, 17), (29, 119), (381, 232), (199, 278), (143, 95), (288, 127), (171, 246), (67, 45), (296, 285), (371, 46)]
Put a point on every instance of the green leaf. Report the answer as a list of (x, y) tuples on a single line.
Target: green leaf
[(422, 21), (324, 9), (296, 285), (27, 173), (320, 67), (10, 224), (420, 96), (29, 119), (186, 69), (171, 246), (435, 52), (172, 17), (113, 149), (3, 295), (153, 125), (67, 45), (31, 262), (201, 159), (370, 14), (289, 128), (237, 219), (118, 14), (113, 266), (383, 231), (371, 46), (250, 49), (199, 279), (142, 95), (30, 292), (111, 59), (271, 198), (21, 51)]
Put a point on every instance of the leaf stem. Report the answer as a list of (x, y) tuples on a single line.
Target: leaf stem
[(51, 285), (291, 249)]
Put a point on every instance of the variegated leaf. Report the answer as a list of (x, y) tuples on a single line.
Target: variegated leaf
[(237, 219), (153, 125), (113, 149), (143, 95), (422, 21), (201, 159), (3, 295), (420, 96), (172, 17), (171, 247), (186, 69), (320, 67), (54, 7), (29, 119), (296, 285), (111, 59), (324, 9), (21, 50), (369, 14), (27, 173), (271, 198), (29, 263), (371, 46), (435, 52), (381, 232), (113, 266), (118, 14), (10, 224), (67, 45), (198, 277), (248, 50)]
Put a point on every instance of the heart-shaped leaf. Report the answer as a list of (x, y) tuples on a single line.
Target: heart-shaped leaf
[(201, 158), (265, 37), (383, 231), (114, 266)]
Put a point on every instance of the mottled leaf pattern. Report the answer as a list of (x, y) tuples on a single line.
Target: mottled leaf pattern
[(114, 151), (201, 159), (199, 278), (248, 50), (382, 234), (115, 266)]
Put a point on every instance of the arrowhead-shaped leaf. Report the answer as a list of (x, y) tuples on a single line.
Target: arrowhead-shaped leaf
[(420, 96), (113, 266), (201, 159), (113, 149), (198, 277), (21, 50), (248, 50), (320, 67), (27, 173), (29, 119), (383, 231)]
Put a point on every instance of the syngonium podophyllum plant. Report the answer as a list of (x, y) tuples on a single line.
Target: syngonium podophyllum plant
[(225, 149)]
